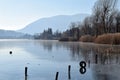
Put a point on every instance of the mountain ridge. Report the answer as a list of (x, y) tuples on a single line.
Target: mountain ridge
[(10, 34), (58, 22)]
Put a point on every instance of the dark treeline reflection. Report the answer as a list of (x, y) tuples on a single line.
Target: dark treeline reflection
[(106, 54)]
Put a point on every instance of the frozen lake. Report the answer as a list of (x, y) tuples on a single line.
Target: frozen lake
[(45, 58)]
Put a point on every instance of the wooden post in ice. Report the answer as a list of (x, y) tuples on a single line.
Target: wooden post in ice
[(96, 58), (56, 77), (69, 68), (89, 63), (26, 71)]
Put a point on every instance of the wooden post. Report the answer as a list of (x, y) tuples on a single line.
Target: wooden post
[(69, 68), (26, 71), (56, 77), (117, 59), (89, 63), (96, 58)]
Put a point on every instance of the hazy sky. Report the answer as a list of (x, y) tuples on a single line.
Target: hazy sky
[(16, 14)]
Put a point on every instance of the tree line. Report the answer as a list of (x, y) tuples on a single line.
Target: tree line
[(48, 35)]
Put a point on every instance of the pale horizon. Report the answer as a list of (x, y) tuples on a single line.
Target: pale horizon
[(15, 15), (18, 14)]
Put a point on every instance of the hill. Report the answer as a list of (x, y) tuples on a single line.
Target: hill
[(60, 22), (8, 34)]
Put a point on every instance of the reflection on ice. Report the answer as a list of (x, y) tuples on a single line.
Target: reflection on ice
[(45, 58)]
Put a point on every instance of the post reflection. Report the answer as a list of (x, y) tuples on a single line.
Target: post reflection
[(26, 77)]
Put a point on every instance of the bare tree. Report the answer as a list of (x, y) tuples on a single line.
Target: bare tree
[(74, 30), (117, 29), (87, 25), (103, 12)]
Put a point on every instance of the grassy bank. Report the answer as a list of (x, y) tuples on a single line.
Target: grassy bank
[(111, 38), (87, 38)]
